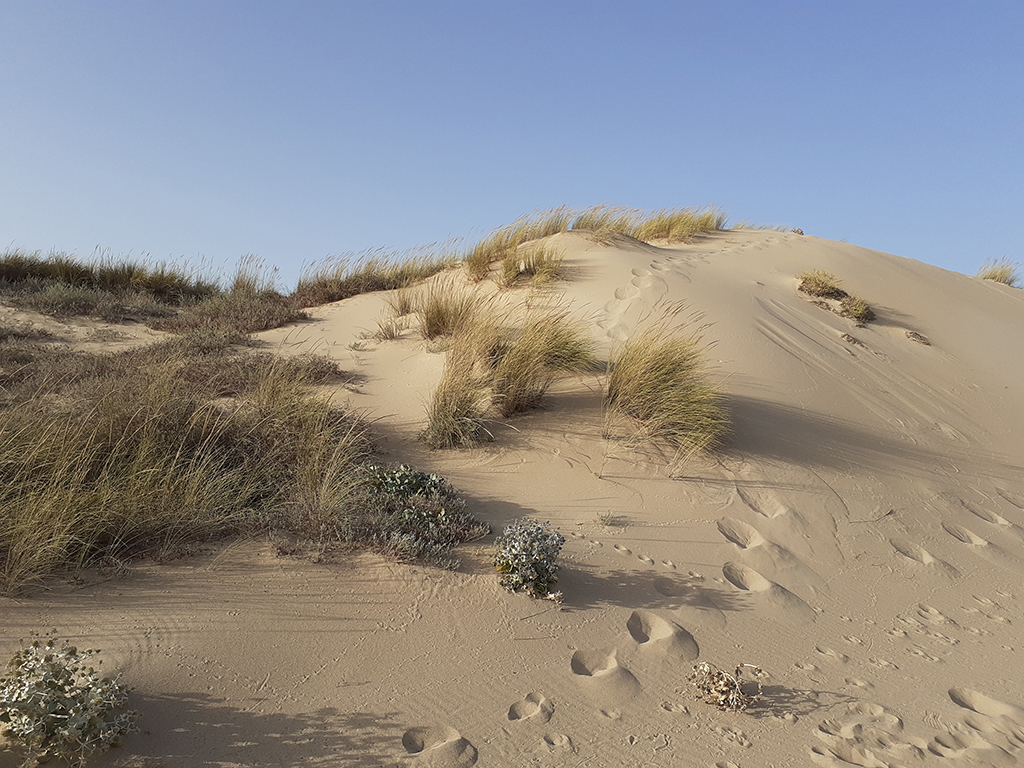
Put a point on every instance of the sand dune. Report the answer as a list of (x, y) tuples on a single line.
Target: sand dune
[(860, 538)]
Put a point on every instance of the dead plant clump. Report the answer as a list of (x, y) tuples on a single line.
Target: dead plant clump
[(720, 689), (824, 286), (660, 378), (1001, 271), (819, 283)]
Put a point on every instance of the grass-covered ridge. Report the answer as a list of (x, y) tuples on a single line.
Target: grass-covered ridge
[(1001, 271)]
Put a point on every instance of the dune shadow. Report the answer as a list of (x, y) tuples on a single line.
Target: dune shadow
[(590, 587), (793, 435), (196, 729)]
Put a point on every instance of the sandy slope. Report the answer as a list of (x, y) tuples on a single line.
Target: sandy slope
[(862, 539)]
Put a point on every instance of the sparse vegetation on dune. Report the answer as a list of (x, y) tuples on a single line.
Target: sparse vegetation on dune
[(106, 458), (821, 284), (824, 285), (660, 379), (1001, 271), (672, 224), (379, 270), (506, 363), (541, 264)]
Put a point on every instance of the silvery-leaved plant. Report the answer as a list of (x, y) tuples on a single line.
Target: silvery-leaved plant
[(54, 705), (526, 556)]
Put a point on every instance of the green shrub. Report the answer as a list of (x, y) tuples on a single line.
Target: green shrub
[(55, 706), (525, 560)]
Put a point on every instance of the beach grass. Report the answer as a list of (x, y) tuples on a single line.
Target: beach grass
[(1001, 271), (444, 309), (660, 378), (540, 263), (377, 270), (148, 453), (672, 224), (532, 356)]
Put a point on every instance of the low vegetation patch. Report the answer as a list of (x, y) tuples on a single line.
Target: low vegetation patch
[(821, 284), (505, 364), (720, 689), (455, 413), (444, 309), (660, 378), (54, 705), (527, 556), (1001, 271), (541, 264), (108, 458), (824, 285)]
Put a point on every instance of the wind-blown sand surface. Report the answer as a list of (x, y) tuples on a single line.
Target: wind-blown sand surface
[(861, 538)]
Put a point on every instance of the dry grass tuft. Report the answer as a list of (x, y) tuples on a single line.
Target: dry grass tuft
[(532, 357), (660, 378), (857, 309), (542, 264), (456, 409), (818, 282), (443, 309), (1001, 271)]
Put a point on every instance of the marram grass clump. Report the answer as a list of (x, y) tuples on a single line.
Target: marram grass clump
[(1001, 271), (660, 378)]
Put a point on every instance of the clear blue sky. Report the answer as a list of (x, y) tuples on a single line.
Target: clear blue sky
[(296, 130)]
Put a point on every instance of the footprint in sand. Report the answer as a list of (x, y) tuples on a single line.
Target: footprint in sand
[(834, 655), (882, 663), (439, 747), (922, 556), (1014, 498), (922, 653), (734, 737), (984, 548), (661, 636), (603, 676), (533, 706), (645, 559), (775, 596), (966, 747), (867, 735), (668, 564), (623, 550), (768, 556), (557, 742)]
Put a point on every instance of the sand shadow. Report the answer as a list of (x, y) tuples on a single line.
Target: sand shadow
[(196, 729), (592, 587), (791, 435)]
